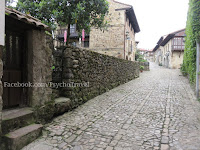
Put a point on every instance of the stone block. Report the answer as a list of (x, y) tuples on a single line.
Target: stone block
[(62, 105), (16, 118), (17, 139), (75, 62)]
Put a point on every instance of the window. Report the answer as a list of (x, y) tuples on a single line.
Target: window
[(72, 28), (178, 43)]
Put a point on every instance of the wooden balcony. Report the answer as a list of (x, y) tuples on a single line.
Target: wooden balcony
[(60, 33), (178, 47), (73, 33)]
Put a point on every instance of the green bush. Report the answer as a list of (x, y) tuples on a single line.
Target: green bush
[(139, 57), (141, 67), (192, 33)]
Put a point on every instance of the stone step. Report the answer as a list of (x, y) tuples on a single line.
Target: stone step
[(19, 138), (16, 118)]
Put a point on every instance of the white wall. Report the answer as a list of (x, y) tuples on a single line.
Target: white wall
[(2, 21)]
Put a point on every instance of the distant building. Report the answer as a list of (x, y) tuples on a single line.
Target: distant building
[(170, 49), (119, 38), (142, 51), (148, 54), (158, 53)]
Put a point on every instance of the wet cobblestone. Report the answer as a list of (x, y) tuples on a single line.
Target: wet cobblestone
[(157, 111)]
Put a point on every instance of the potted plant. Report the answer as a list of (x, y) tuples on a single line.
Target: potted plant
[(141, 68)]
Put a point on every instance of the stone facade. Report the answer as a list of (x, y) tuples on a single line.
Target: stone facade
[(176, 60), (95, 73), (171, 59), (39, 67), (119, 38), (158, 57), (169, 50)]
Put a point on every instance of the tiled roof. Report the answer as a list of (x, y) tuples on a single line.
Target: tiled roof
[(132, 17), (172, 35), (25, 18)]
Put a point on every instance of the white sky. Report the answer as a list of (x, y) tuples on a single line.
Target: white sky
[(157, 18)]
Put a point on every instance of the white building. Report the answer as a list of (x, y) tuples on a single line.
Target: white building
[(2, 22)]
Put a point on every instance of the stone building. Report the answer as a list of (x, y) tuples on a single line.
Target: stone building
[(170, 49), (158, 53), (142, 51), (147, 54), (119, 38), (150, 55), (26, 65)]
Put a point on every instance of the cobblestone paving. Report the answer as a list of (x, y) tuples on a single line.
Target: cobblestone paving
[(157, 111)]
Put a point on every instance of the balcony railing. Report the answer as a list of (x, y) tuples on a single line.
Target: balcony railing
[(62, 31), (178, 47)]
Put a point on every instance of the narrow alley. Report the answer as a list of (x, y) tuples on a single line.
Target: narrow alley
[(157, 111)]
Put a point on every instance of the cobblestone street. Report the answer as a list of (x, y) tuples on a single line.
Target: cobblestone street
[(157, 111)]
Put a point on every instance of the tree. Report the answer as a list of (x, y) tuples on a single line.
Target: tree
[(83, 13)]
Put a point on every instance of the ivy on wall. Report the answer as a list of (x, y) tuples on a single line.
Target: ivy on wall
[(192, 34)]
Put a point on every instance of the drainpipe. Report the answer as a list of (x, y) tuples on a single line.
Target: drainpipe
[(197, 68)]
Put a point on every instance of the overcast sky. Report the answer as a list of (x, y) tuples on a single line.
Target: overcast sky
[(157, 18)]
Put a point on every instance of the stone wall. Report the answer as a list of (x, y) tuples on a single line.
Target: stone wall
[(102, 72)]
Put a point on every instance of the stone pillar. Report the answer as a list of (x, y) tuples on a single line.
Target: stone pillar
[(39, 67), (67, 75)]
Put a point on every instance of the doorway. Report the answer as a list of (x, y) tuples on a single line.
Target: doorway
[(14, 70)]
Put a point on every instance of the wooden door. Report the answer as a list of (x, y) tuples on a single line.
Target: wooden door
[(14, 69)]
